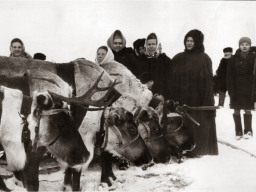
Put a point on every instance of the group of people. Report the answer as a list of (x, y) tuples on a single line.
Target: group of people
[(187, 78), (236, 74)]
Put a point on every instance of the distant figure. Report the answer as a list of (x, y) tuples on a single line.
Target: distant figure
[(122, 54), (221, 75), (17, 49), (240, 86), (40, 56), (104, 55), (191, 83)]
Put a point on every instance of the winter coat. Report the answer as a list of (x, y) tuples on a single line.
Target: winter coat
[(158, 67), (139, 64), (123, 56), (221, 75), (240, 81), (190, 81)]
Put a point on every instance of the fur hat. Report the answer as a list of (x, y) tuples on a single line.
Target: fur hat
[(198, 38), (40, 56), (245, 40), (139, 43), (227, 49)]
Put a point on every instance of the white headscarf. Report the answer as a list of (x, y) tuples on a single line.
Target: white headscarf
[(109, 58)]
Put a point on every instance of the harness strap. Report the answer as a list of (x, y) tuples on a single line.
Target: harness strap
[(25, 111), (100, 136), (53, 112)]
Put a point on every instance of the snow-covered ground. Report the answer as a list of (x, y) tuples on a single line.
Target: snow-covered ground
[(233, 170)]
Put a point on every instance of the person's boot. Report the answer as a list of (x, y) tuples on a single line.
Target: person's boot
[(238, 126), (221, 98), (247, 126)]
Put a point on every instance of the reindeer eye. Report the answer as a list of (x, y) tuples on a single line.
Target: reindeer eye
[(156, 130), (132, 130)]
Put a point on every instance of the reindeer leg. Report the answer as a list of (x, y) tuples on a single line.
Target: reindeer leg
[(76, 180), (30, 174), (104, 169), (67, 178), (3, 187), (109, 167)]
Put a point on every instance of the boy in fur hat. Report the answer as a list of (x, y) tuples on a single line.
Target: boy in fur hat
[(240, 87), (221, 75)]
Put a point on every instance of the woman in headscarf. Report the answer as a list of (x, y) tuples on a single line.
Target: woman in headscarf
[(17, 49), (122, 54), (240, 86), (157, 64), (103, 55), (191, 83)]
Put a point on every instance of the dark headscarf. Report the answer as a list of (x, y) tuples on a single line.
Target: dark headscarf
[(198, 38)]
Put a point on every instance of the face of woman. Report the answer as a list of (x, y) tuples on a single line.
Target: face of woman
[(118, 44), (245, 47), (101, 54), (16, 49), (190, 43), (151, 45)]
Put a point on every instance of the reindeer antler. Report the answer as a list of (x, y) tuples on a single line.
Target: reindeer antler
[(86, 98)]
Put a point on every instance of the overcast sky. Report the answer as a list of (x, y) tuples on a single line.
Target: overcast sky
[(66, 30)]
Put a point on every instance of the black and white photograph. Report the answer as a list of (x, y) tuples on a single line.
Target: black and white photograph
[(128, 95)]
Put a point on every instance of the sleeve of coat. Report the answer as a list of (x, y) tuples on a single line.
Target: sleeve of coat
[(229, 77), (254, 82), (166, 73), (205, 83)]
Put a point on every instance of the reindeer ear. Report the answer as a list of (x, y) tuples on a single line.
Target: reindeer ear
[(129, 116), (44, 102), (143, 116)]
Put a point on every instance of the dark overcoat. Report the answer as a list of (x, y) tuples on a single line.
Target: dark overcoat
[(221, 75), (125, 57), (240, 81), (158, 67), (190, 81)]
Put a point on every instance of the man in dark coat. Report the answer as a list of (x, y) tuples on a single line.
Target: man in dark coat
[(157, 64), (240, 86), (221, 75), (191, 83), (122, 54)]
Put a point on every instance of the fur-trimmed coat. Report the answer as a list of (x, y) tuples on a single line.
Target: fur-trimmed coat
[(240, 81)]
